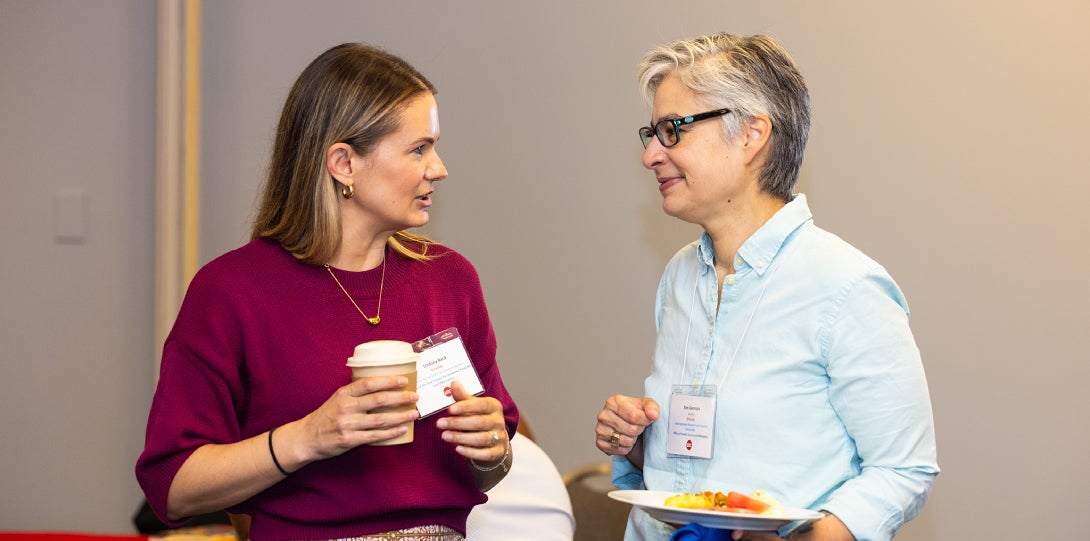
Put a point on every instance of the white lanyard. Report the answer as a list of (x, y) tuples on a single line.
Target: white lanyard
[(745, 330), (691, 421)]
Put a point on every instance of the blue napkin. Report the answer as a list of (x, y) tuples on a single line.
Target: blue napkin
[(696, 532)]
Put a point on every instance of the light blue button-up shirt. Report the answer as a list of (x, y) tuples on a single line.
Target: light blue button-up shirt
[(821, 397)]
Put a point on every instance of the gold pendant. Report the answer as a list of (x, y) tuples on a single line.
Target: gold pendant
[(372, 320)]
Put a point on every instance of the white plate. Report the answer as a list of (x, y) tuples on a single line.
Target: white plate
[(651, 501)]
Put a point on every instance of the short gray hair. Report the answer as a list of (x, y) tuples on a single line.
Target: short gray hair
[(751, 76)]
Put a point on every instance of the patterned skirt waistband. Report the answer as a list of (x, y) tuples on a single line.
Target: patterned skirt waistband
[(431, 532)]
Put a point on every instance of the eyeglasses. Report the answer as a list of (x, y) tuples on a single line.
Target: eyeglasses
[(667, 129)]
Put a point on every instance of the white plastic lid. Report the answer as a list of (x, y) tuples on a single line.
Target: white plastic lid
[(382, 353)]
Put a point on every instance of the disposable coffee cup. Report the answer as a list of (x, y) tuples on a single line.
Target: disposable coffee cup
[(387, 358)]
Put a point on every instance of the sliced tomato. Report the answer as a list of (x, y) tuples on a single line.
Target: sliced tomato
[(741, 501)]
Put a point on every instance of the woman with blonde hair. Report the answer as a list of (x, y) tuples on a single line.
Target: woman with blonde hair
[(255, 411)]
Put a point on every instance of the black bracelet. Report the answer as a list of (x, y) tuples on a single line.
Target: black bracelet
[(273, 454)]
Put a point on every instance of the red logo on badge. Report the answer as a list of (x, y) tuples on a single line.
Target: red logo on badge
[(446, 391), (688, 445)]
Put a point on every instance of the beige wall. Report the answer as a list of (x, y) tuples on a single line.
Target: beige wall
[(77, 123), (947, 144)]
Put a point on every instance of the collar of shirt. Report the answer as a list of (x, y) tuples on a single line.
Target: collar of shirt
[(760, 248)]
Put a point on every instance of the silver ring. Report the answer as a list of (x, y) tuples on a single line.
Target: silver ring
[(615, 440), (495, 439)]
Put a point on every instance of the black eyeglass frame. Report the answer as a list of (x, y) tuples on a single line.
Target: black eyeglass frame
[(674, 123)]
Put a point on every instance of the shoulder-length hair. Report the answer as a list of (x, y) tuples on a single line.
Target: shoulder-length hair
[(352, 93)]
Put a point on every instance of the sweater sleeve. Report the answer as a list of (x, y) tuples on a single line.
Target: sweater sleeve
[(479, 336), (489, 370), (192, 405)]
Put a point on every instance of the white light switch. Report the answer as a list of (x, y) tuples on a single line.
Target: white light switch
[(69, 216)]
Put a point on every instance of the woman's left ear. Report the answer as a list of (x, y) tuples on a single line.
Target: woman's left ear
[(758, 132), (338, 161)]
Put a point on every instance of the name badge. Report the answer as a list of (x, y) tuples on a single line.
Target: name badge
[(443, 359), (692, 421)]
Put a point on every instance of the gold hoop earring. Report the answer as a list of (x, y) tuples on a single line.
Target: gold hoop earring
[(348, 191)]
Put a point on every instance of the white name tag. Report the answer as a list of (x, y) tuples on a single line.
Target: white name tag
[(692, 422), (443, 359)]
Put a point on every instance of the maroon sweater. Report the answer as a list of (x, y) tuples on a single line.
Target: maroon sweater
[(262, 339)]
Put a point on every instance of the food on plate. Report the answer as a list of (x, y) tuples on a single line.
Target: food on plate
[(758, 503)]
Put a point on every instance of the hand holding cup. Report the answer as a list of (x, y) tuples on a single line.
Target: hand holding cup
[(388, 358)]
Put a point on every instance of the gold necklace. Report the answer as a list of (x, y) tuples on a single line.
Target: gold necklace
[(378, 309)]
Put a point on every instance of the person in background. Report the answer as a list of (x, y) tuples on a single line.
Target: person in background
[(789, 349), (255, 411), (530, 504)]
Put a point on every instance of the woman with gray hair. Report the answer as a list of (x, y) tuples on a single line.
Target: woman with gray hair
[(784, 361)]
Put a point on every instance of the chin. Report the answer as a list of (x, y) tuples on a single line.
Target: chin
[(674, 210), (418, 221), (679, 212)]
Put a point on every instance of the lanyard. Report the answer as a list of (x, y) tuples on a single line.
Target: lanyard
[(745, 330)]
